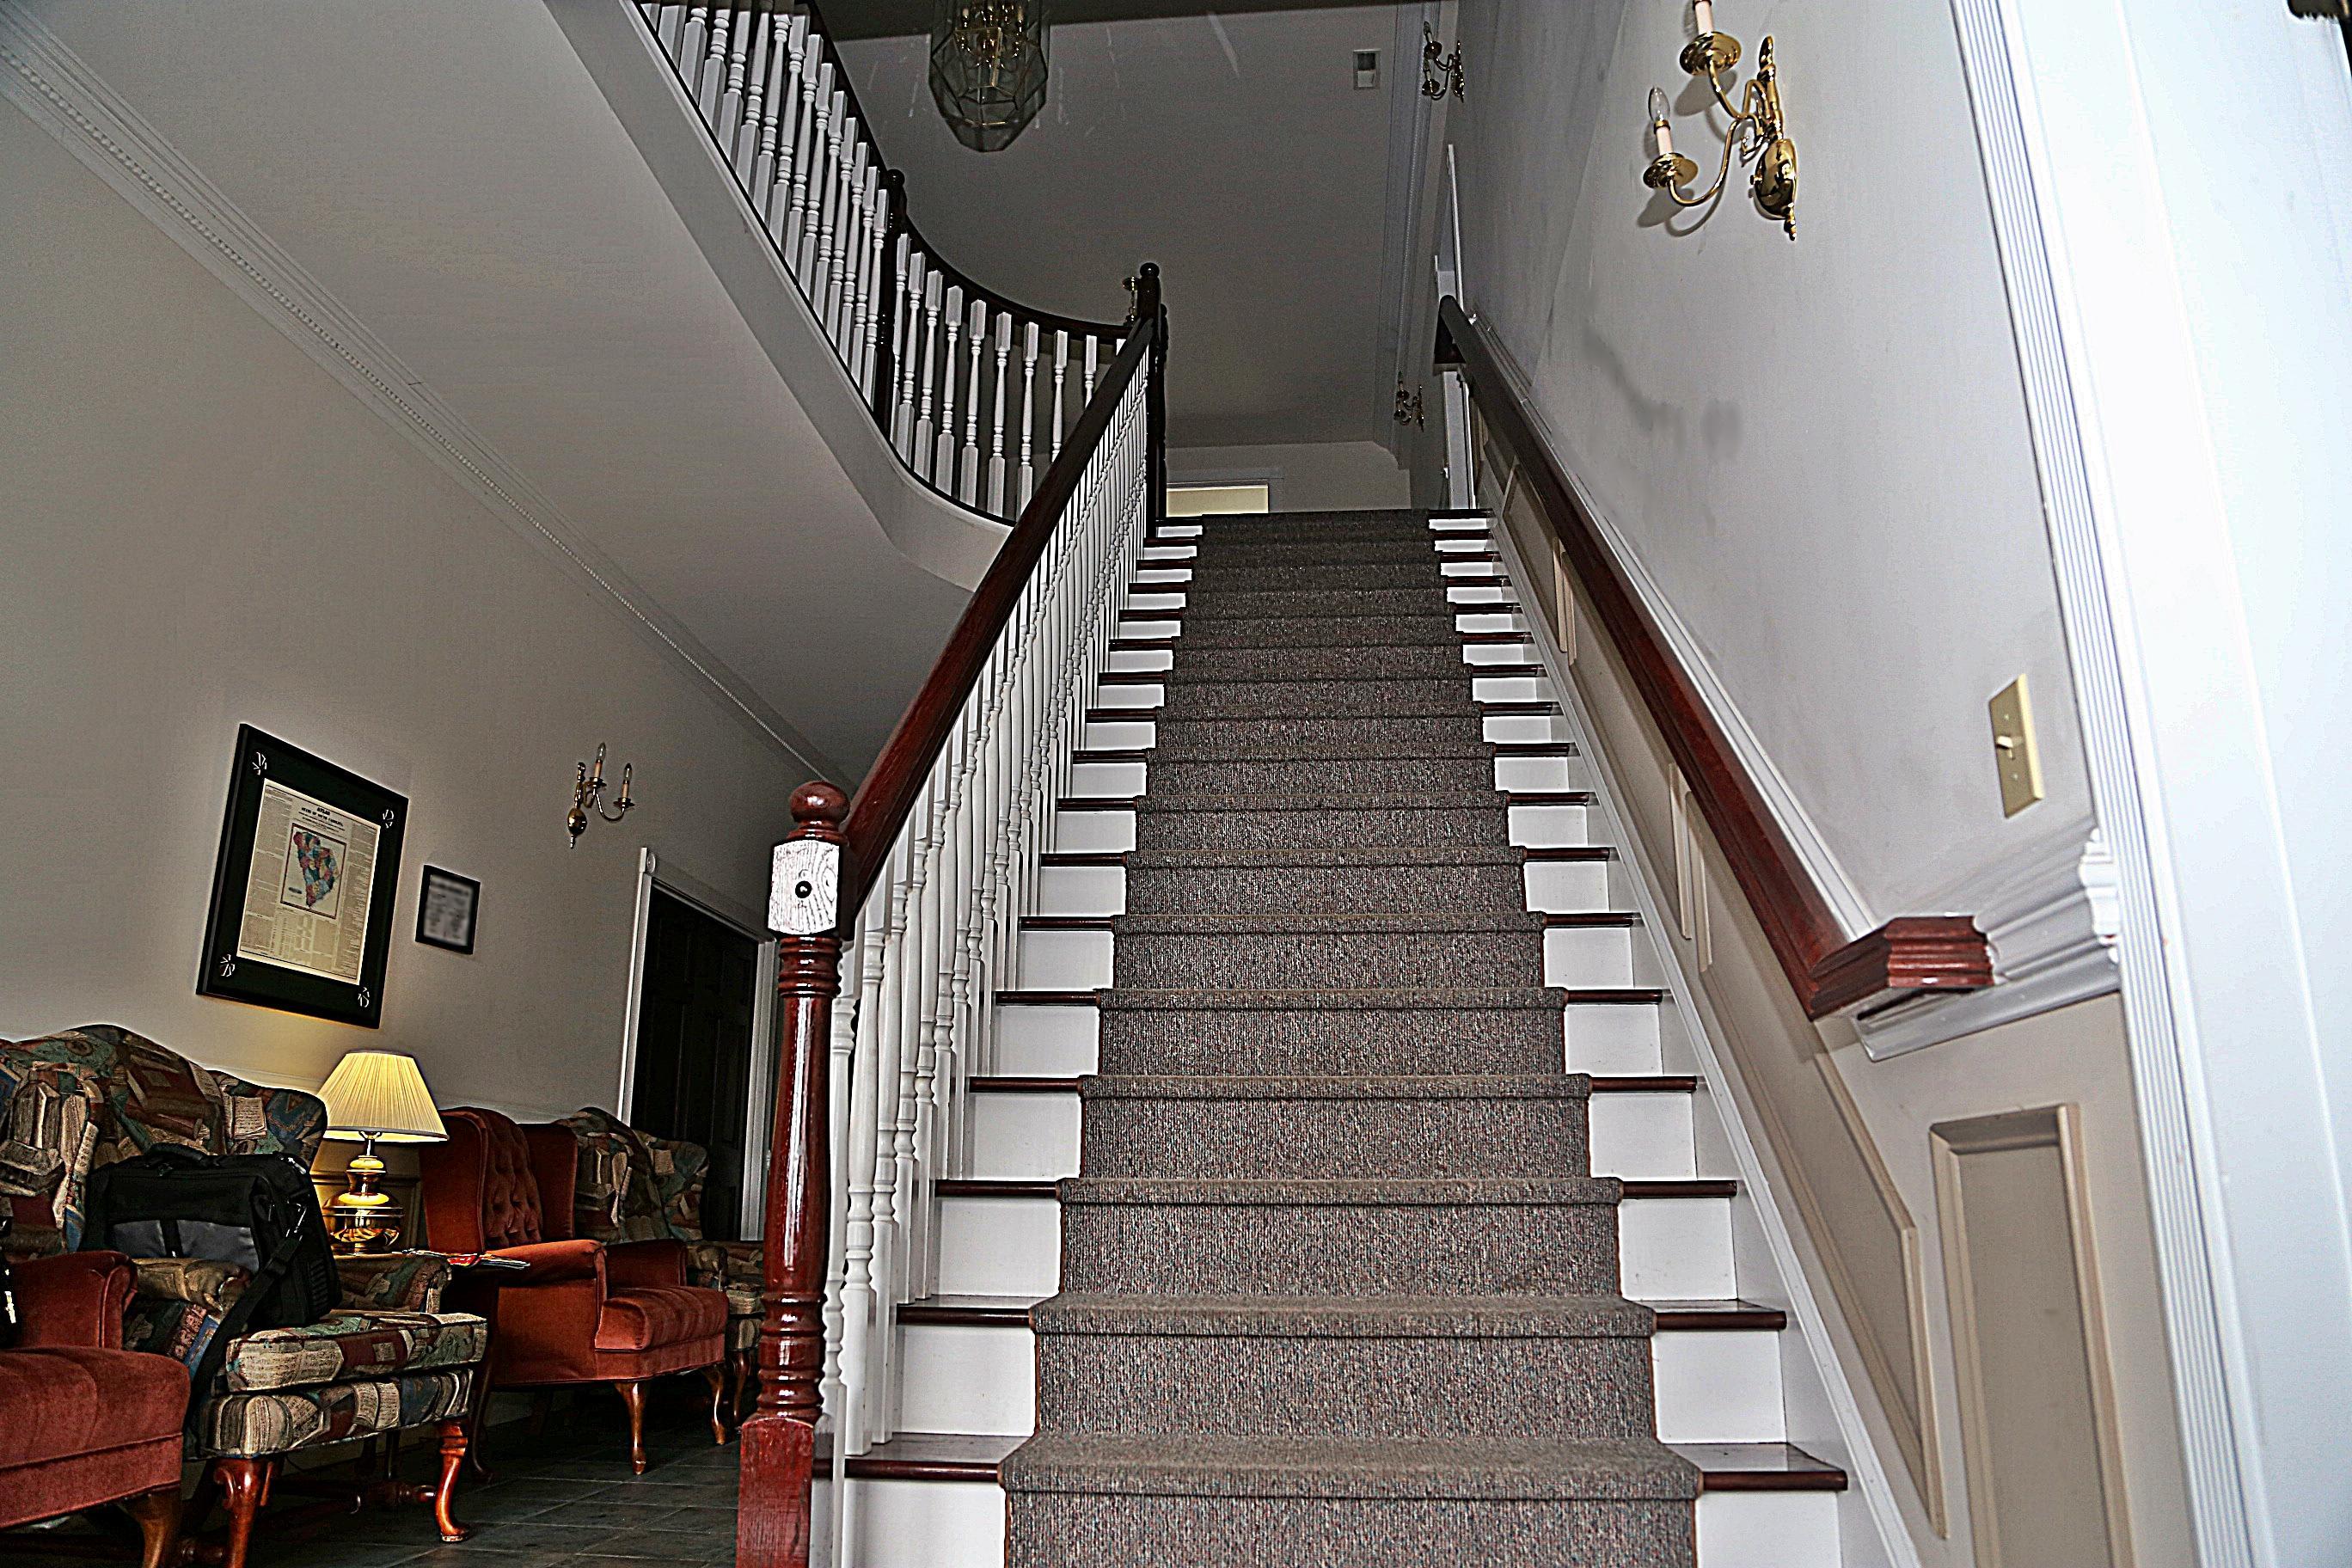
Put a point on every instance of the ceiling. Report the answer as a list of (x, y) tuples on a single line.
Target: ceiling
[(449, 174), (1231, 146)]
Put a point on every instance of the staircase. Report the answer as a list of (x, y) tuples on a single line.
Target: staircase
[(1281, 1228)]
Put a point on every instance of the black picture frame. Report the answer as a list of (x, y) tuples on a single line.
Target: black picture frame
[(228, 971), (447, 884)]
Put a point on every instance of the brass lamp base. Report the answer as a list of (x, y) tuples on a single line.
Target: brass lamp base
[(364, 1220), (1775, 182)]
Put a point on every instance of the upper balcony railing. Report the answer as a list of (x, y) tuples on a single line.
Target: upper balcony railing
[(975, 393)]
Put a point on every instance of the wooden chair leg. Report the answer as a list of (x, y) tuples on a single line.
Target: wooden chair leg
[(715, 1375), (157, 1514), (454, 1439), (633, 1397), (243, 1484)]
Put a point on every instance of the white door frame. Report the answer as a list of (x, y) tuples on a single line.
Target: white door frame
[(759, 1093)]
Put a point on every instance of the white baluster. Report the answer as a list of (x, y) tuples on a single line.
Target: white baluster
[(968, 475), (821, 138), (688, 56), (943, 468), (849, 244), (1028, 413), (790, 172), (710, 79), (728, 116), (668, 23), (872, 307), (925, 445), (746, 156), (909, 311), (1061, 372), (996, 456), (824, 233), (839, 1081), (775, 91), (1094, 345)]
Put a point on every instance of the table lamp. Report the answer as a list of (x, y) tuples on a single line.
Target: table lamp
[(374, 1097)]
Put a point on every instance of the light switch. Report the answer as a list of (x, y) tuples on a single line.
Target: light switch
[(2012, 748)]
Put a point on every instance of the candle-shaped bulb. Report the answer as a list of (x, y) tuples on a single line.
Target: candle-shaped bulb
[(1703, 13), (596, 774), (627, 769), (1658, 129), (1658, 106)]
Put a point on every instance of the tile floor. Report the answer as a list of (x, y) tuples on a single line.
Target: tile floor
[(563, 1498)]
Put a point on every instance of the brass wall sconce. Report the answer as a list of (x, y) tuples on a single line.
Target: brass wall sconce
[(1758, 130), (1440, 72), (1408, 406), (590, 789)]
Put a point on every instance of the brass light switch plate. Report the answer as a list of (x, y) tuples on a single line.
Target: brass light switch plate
[(2012, 748)]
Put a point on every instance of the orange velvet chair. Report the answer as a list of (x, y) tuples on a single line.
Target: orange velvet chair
[(82, 1420), (584, 1312)]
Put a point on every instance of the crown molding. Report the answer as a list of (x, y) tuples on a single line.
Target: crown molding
[(61, 94)]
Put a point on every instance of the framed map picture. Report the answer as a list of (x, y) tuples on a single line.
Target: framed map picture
[(309, 863), (445, 909)]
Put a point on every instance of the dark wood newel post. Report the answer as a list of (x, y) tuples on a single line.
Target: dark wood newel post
[(779, 1446), (1150, 312)]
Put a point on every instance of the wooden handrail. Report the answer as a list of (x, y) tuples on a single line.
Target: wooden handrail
[(1829, 971), (896, 779)]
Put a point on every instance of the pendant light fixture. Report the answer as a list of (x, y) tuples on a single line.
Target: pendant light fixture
[(988, 69)]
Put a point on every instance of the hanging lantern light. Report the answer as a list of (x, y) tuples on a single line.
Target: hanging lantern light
[(988, 69)]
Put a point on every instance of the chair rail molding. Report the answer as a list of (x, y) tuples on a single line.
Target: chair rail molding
[(2052, 920), (60, 93)]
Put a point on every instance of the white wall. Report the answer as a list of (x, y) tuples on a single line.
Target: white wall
[(1333, 476), (202, 528), (1817, 451)]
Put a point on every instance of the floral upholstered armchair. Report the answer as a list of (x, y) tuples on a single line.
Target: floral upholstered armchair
[(386, 1361), (634, 1186)]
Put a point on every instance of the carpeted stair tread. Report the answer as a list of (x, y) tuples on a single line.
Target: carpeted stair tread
[(1215, 738), (1358, 1192), (1448, 999), (1336, 1085), (1327, 855), (1168, 803), (1400, 922), (1361, 1317), (1308, 1468)]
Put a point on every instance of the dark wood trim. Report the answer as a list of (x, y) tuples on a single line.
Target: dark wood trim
[(1098, 802), (1645, 1083), (1104, 755), (1067, 922), (1759, 1467), (1549, 797), (1023, 1083), (899, 773), (1719, 1318), (1122, 715), (1572, 852), (969, 1312), (984, 1188), (1591, 920), (1082, 857), (1613, 996), (1828, 971), (1049, 998), (1534, 748), (1517, 710), (1703, 1187)]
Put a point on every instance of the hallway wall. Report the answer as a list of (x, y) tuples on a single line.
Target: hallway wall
[(202, 528), (1302, 477), (1817, 451)]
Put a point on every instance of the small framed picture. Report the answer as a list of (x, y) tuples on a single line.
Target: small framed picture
[(447, 909)]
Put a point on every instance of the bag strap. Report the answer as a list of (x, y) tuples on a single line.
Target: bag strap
[(233, 1323)]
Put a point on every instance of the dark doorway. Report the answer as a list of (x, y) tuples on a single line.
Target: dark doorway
[(693, 1075)]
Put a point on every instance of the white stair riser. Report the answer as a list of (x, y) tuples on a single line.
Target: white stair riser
[(1470, 571), (1501, 728), (1718, 1387), (1170, 575), (1107, 781), (1082, 890), (1047, 1041), (1133, 626), (1768, 1529), (1612, 1038), (1127, 780), (1113, 694), (1180, 531), (1578, 957), (1568, 886), (1489, 621), (1675, 1248), (1670, 1248), (1094, 832), (1146, 602), (1712, 1386), (958, 1377), (1000, 1246), (928, 1524), (1511, 687), (1480, 595), (961, 1524), (1032, 1136), (1065, 960), (1139, 661), (1534, 773), (1547, 826), (1642, 1137), (1478, 653), (1119, 734), (1152, 552), (1024, 1137)]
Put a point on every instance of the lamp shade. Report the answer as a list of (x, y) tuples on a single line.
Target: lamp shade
[(380, 1095)]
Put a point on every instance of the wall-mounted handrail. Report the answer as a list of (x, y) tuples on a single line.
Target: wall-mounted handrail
[(1829, 971), (898, 917), (974, 391)]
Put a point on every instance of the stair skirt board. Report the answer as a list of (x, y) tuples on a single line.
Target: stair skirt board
[(1331, 1197)]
